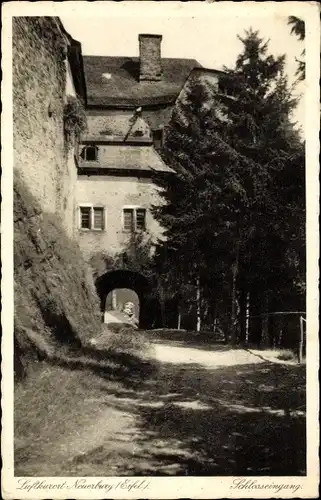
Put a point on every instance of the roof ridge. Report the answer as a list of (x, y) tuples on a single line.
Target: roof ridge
[(137, 57)]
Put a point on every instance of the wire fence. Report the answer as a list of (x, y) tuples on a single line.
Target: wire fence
[(284, 329)]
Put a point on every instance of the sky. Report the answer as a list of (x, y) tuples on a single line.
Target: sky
[(210, 39)]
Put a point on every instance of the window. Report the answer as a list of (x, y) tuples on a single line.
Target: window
[(98, 218), (90, 153), (128, 219), (134, 219), (140, 219), (92, 218), (158, 138), (85, 217)]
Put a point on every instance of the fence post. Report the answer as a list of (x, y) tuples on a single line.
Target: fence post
[(301, 341)]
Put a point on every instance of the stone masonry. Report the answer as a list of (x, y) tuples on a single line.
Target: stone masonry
[(39, 95), (150, 57)]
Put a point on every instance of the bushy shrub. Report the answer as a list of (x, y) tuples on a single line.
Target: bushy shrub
[(286, 355), (122, 338), (75, 120)]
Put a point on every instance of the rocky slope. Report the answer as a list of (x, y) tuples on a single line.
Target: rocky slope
[(55, 299)]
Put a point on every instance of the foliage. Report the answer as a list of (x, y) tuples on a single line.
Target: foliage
[(75, 120), (298, 29), (123, 339), (261, 129), (234, 213), (136, 256)]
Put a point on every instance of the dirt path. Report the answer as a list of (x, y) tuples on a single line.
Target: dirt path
[(167, 353), (204, 413)]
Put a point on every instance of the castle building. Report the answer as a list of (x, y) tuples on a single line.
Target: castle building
[(103, 188), (129, 103)]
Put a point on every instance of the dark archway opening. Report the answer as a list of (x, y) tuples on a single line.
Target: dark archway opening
[(149, 304)]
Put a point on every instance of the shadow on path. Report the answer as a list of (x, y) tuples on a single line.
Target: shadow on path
[(245, 420), (177, 418)]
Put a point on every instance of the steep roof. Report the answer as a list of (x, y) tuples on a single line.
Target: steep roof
[(123, 88), (75, 59), (138, 158)]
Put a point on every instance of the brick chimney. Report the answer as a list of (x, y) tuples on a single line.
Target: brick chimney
[(150, 58)]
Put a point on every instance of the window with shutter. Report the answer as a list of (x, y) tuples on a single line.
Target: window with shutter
[(92, 218), (140, 219), (85, 217), (128, 219), (98, 218), (134, 219)]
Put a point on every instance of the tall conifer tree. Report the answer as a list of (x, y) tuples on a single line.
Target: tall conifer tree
[(234, 212)]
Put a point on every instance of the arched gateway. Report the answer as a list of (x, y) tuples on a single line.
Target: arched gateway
[(149, 315)]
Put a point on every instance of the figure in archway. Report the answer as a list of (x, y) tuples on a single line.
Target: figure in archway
[(129, 311), (122, 306)]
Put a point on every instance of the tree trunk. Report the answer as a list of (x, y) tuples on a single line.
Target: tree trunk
[(265, 321), (198, 305), (179, 318), (214, 326), (234, 308), (243, 296), (162, 304), (280, 327), (247, 318), (215, 320), (204, 312)]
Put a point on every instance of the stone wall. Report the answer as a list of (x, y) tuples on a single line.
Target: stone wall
[(114, 193), (39, 93), (68, 191), (117, 121)]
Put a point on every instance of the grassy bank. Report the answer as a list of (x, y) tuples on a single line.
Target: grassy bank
[(51, 403), (57, 399)]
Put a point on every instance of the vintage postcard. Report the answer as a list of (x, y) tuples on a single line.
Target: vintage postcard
[(160, 250)]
